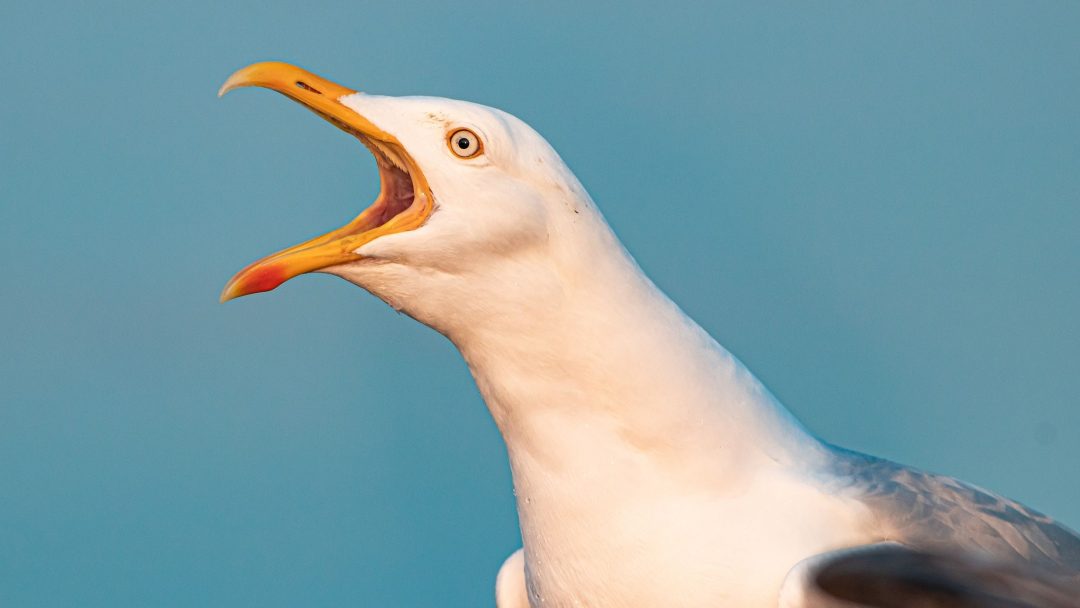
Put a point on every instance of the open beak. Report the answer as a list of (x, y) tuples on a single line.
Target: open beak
[(404, 202)]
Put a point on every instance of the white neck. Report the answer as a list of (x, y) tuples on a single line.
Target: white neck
[(622, 417), (595, 378)]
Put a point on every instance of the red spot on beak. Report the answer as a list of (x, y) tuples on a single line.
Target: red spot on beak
[(264, 279), (256, 279)]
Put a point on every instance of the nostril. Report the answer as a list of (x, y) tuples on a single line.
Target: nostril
[(308, 87)]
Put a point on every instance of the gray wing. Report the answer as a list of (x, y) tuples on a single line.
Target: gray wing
[(945, 516), (893, 576)]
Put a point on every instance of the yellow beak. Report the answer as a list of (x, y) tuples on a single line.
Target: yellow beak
[(404, 203)]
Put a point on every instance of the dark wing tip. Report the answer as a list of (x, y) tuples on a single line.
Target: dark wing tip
[(893, 576)]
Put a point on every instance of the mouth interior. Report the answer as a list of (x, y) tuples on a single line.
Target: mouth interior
[(397, 194), (397, 190)]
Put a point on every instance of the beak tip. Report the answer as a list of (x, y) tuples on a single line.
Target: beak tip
[(230, 84), (229, 293), (252, 75), (256, 278)]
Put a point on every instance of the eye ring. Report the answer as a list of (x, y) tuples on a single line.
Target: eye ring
[(464, 143)]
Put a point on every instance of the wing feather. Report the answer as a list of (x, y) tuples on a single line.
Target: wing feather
[(889, 575)]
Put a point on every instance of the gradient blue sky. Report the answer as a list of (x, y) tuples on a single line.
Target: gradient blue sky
[(876, 206)]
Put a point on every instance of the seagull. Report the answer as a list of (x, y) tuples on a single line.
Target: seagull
[(650, 467)]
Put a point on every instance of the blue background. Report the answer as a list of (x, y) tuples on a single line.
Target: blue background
[(875, 205)]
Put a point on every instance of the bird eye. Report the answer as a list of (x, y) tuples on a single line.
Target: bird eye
[(464, 143)]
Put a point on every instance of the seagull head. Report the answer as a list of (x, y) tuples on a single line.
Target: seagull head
[(470, 196)]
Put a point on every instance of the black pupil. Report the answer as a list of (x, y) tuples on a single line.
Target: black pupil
[(463, 143)]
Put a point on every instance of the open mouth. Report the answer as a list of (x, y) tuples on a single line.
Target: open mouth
[(404, 202)]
